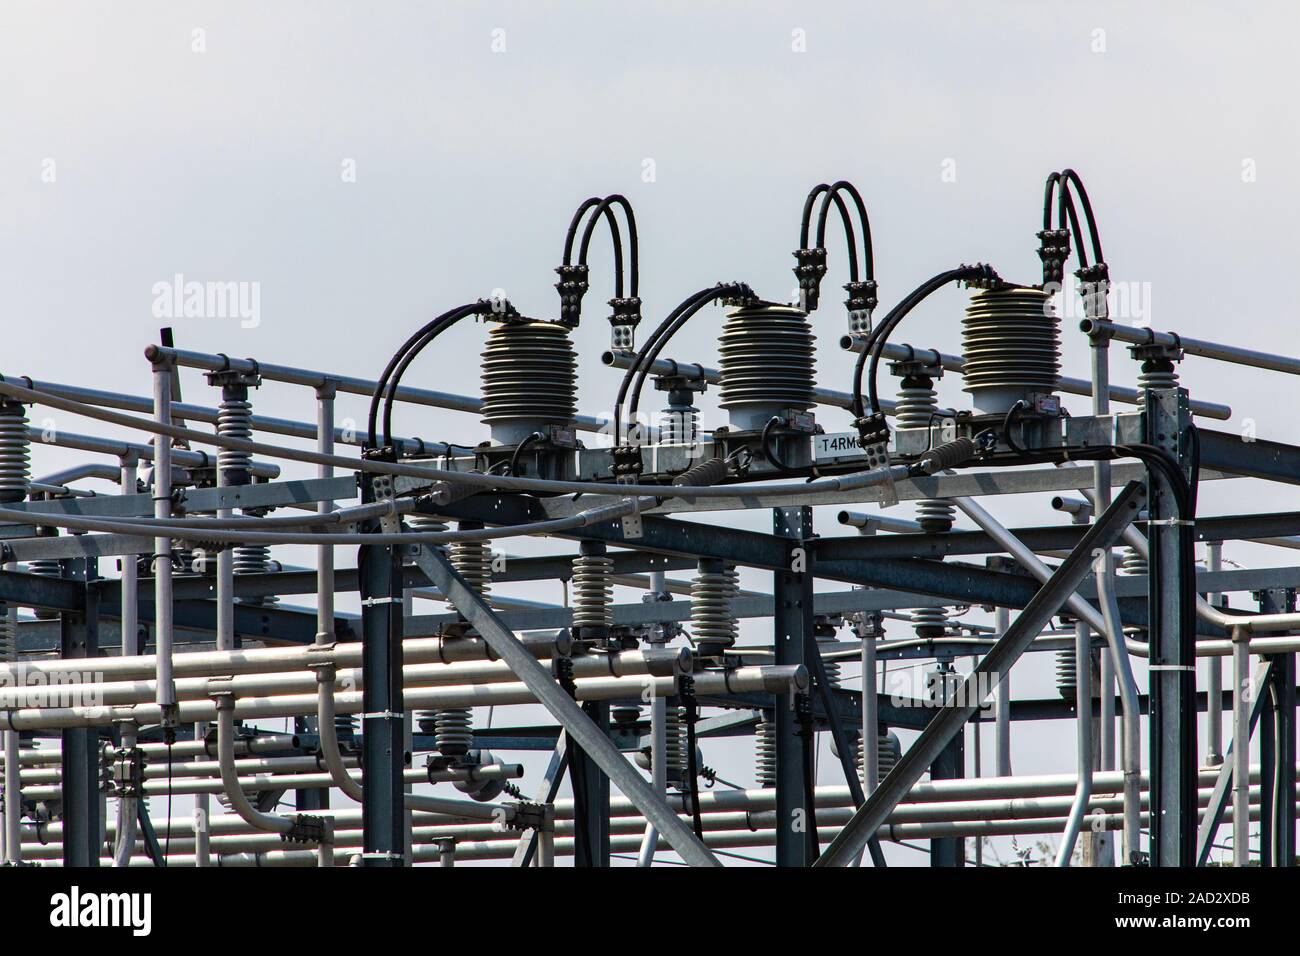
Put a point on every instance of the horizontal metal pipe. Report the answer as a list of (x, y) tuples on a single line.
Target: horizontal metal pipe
[(1075, 386), (444, 650), (741, 680), (663, 663), (1213, 350), (504, 848), (128, 450), (343, 383), (200, 413)]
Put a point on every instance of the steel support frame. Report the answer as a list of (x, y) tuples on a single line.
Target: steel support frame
[(383, 731), (950, 765), (80, 783), (1278, 828), (792, 623), (591, 793), (1221, 794), (1172, 635), (950, 720), (581, 731)]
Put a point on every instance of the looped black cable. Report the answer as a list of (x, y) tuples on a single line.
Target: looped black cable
[(765, 442), (514, 458), (644, 360)]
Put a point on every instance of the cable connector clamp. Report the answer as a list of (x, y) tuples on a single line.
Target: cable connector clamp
[(809, 273)]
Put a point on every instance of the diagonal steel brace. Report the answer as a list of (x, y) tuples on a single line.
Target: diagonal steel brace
[(581, 731), (954, 714)]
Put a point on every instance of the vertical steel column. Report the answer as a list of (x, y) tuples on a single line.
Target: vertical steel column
[(1281, 691), (79, 638), (1173, 649), (793, 627), (1267, 778), (161, 564), (657, 636), (591, 793), (950, 765), (319, 799), (1099, 848), (382, 752), (13, 827), (1002, 705), (1214, 672)]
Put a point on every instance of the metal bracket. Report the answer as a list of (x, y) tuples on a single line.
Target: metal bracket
[(127, 778), (307, 829)]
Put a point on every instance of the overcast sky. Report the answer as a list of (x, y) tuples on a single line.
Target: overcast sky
[(370, 165)]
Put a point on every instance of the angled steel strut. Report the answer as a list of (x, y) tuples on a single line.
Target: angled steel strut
[(551, 695), (952, 717)]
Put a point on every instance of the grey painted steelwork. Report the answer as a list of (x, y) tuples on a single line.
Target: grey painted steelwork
[(949, 719)]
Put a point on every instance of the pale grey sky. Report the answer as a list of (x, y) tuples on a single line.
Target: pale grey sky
[(127, 156)]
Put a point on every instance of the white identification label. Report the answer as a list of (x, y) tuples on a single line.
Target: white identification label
[(837, 445)]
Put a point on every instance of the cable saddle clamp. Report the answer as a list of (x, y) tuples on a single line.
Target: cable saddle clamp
[(307, 828)]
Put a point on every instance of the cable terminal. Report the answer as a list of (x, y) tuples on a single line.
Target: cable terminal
[(809, 272)]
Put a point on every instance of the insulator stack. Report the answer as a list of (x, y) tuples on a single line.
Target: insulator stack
[(675, 758), (679, 424), (1132, 562), (767, 364), (1157, 373), (1066, 673), (593, 590), (712, 591), (254, 559), (453, 728), (8, 636), (888, 750), (427, 524), (48, 568), (935, 514), (917, 402), (234, 420), (15, 455), (529, 380), (1011, 348), (345, 726), (472, 560), (832, 667), (453, 731), (624, 712), (765, 752), (929, 621)]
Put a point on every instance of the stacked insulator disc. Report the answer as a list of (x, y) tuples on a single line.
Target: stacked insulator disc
[(473, 562), (593, 590), (234, 420), (1066, 672), (767, 364), (1011, 347), (15, 458), (530, 379), (765, 752), (712, 591)]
